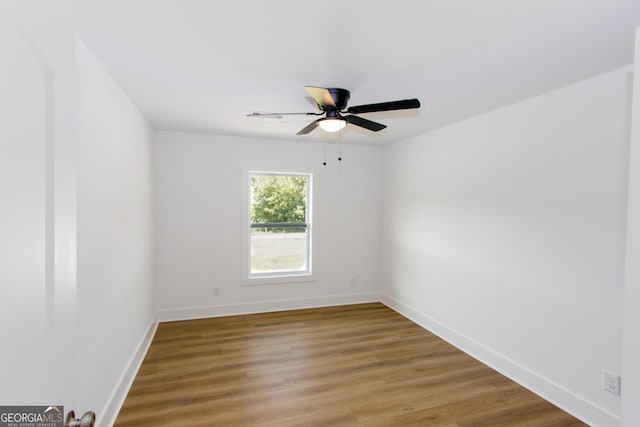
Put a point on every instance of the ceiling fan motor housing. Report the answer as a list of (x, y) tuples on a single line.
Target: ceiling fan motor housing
[(340, 98)]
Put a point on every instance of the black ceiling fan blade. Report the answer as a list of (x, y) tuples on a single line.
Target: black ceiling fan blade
[(364, 123), (404, 104), (307, 129), (321, 95)]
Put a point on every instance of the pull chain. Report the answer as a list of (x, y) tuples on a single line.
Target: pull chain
[(324, 154)]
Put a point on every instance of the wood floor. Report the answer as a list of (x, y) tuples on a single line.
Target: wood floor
[(358, 365)]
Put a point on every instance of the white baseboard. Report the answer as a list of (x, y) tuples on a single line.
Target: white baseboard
[(170, 315), (109, 413), (548, 390)]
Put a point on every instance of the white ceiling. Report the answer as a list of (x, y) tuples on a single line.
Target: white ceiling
[(202, 65)]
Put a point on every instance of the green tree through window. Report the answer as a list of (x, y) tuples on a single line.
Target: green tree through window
[(278, 198)]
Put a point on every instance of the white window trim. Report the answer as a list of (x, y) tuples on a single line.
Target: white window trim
[(248, 278)]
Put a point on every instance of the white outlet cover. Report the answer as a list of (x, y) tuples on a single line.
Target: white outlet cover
[(611, 382)]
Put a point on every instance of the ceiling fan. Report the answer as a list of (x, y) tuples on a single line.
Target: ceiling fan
[(332, 102)]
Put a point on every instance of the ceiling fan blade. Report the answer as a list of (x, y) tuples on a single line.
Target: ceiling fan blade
[(364, 123), (269, 115), (404, 104), (307, 129), (321, 95), (279, 115)]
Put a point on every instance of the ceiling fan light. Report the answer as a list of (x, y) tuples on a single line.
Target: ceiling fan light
[(332, 125)]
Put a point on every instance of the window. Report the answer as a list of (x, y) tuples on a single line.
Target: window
[(279, 225)]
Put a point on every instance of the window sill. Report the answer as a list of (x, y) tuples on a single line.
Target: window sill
[(276, 280)]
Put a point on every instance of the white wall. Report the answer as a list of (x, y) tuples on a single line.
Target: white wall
[(116, 299), (198, 228), (505, 234), (37, 197), (631, 333), (69, 339)]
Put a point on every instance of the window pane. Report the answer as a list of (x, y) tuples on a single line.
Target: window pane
[(279, 225), (278, 249)]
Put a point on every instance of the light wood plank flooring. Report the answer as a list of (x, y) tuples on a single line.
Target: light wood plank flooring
[(358, 365)]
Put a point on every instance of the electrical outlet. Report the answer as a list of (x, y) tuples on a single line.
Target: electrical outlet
[(611, 382), (215, 291), (354, 282)]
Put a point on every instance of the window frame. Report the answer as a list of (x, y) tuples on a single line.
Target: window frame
[(285, 276)]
